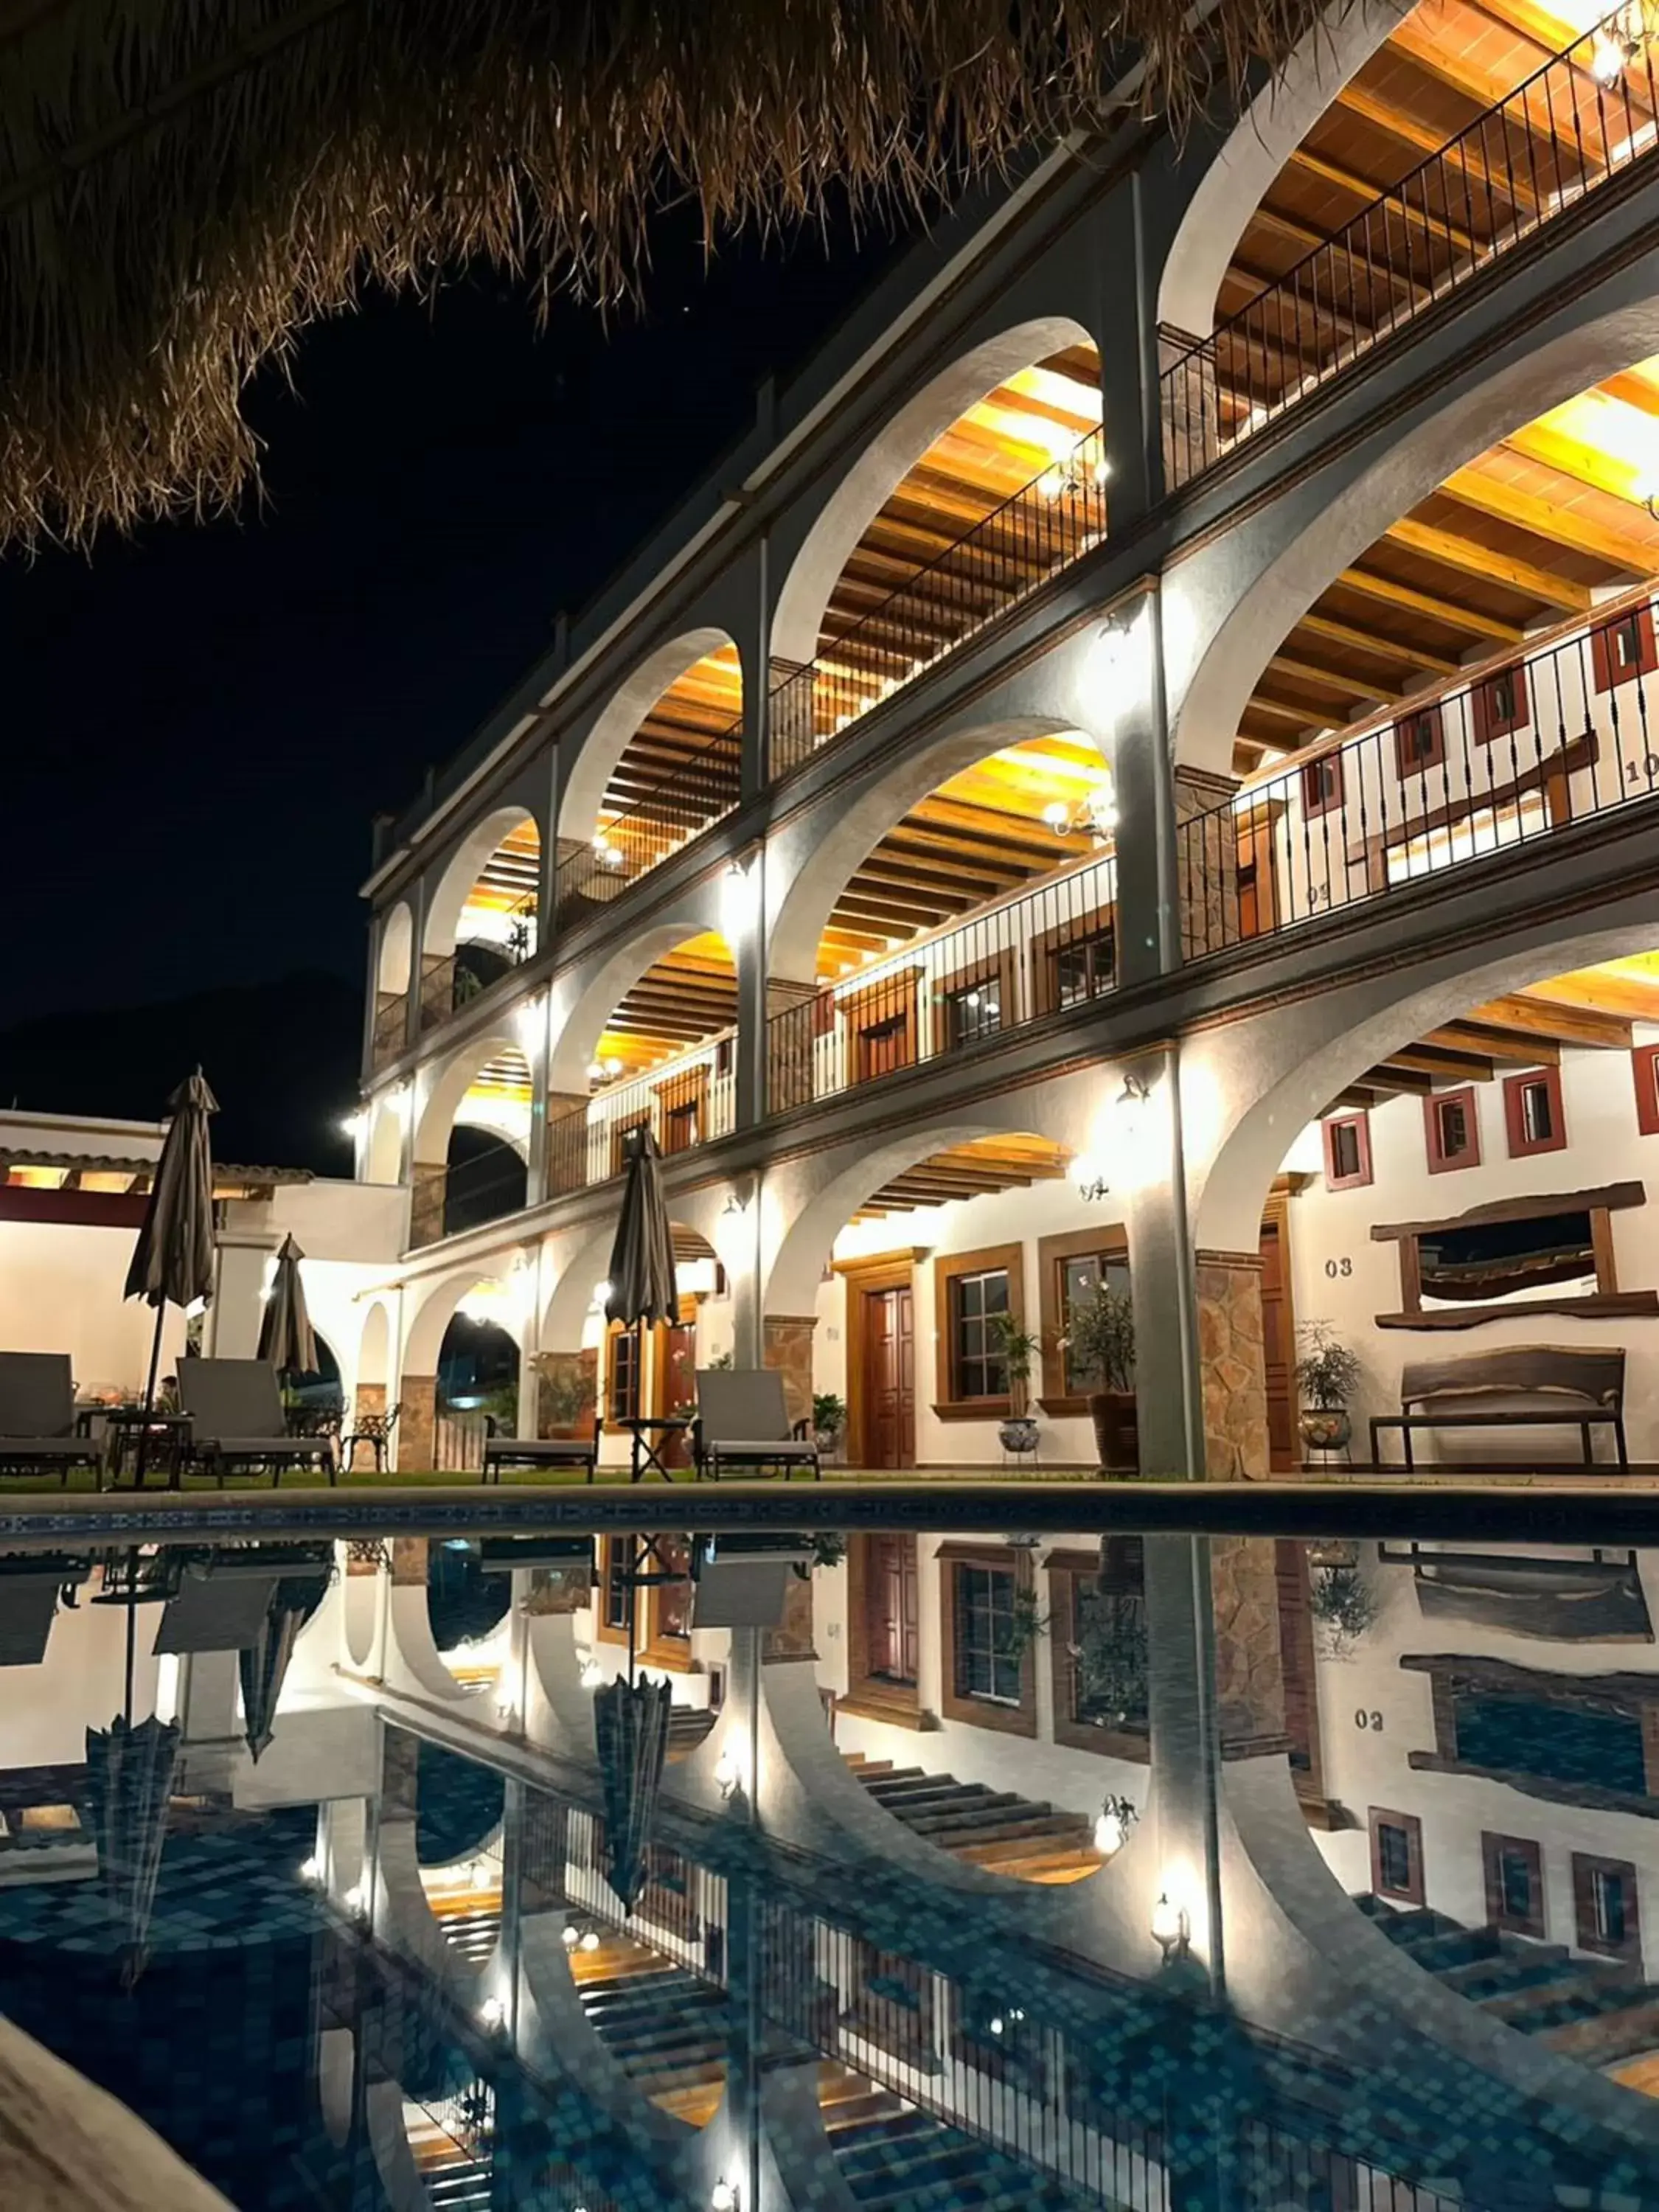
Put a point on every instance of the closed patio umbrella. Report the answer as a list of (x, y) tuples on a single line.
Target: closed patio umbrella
[(641, 1277), (172, 1260), (286, 1338), (130, 1770), (262, 1665), (630, 1728)]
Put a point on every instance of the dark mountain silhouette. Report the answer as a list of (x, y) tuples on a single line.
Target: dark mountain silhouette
[(282, 1059)]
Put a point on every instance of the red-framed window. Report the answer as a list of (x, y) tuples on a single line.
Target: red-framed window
[(1420, 741), (1348, 1141), (1321, 784), (1397, 1856), (1451, 1128), (1534, 1119), (1624, 648), (1514, 1869), (1644, 1067), (1502, 704)]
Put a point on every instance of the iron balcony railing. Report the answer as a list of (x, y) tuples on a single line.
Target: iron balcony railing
[(1036, 531), (683, 1103), (446, 1201), (390, 1025), (1045, 952), (1586, 116), (701, 791), (476, 963), (1509, 758)]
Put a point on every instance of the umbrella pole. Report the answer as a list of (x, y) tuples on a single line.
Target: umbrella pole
[(149, 1396), (132, 1645)]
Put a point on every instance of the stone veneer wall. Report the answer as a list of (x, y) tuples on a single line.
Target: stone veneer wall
[(1233, 1361), (561, 1366), (1249, 1665), (429, 1181), (417, 1421), (369, 1398), (1208, 863), (787, 1344)]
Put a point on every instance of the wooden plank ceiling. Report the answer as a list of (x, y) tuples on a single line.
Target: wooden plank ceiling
[(969, 1170), (506, 1076), (688, 994), (511, 875), (1534, 532), (1446, 63), (977, 837), (1594, 1008), (698, 707), (1002, 443)]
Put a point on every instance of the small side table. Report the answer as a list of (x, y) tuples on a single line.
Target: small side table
[(648, 1455), (123, 1426)]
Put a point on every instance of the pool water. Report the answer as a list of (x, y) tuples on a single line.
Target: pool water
[(803, 1871)]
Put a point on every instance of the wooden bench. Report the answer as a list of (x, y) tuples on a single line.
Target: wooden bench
[(1470, 1393)]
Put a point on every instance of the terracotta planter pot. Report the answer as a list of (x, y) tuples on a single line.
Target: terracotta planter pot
[(1326, 1428), (1117, 1438)]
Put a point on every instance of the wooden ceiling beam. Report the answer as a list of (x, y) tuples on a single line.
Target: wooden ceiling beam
[(1589, 988), (1442, 1066), (1449, 551), (1367, 192), (1407, 596), (1495, 1044), (1561, 1021), (1392, 1080), (1384, 648), (1489, 495), (1333, 680), (1430, 138)]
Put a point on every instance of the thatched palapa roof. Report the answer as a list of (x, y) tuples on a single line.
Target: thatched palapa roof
[(183, 185)]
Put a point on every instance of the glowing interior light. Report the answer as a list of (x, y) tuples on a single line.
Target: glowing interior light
[(589, 1941), (571, 1937), (1056, 814), (1108, 1833), (492, 2012), (1607, 61)]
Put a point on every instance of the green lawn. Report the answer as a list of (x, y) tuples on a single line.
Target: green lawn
[(81, 1481)]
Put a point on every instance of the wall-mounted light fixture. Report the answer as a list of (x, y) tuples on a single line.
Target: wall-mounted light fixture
[(1113, 1823), (1618, 45), (1135, 1093), (492, 2016), (724, 2198), (570, 1936), (1170, 1930), (311, 1869), (728, 1773), (356, 1901)]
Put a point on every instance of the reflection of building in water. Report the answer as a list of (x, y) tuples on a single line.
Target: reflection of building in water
[(1018, 1865)]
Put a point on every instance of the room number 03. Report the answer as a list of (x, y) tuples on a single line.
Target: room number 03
[(1336, 1268)]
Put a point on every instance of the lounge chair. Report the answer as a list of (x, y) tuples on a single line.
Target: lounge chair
[(538, 1451), (37, 1417), (236, 1421), (744, 1424)]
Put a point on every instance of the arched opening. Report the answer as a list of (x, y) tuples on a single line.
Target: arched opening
[(1480, 674), (663, 762), (989, 481), (473, 1144), (392, 980), (1465, 1217), (371, 1403), (481, 923), (478, 1375), (663, 1057), (1381, 171), (964, 894)]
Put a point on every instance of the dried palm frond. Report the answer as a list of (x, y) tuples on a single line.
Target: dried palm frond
[(185, 183)]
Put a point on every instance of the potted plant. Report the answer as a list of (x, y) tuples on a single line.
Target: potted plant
[(1018, 1349), (1024, 1625), (567, 1395), (1101, 1339), (1345, 1606), (1327, 1376), (828, 1419)]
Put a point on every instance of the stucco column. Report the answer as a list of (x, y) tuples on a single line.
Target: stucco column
[(786, 1345), (1233, 1361), (1144, 1155), (417, 1421), (1129, 397), (1138, 740)]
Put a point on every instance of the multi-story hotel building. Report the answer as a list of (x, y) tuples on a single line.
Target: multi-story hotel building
[(1139, 761)]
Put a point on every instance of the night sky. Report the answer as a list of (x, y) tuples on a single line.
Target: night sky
[(201, 719)]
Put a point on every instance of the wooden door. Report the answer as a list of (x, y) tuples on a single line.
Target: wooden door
[(1278, 1339), (891, 1611), (889, 1401)]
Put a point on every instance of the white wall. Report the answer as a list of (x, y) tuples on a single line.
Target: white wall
[(1340, 1275), (1045, 1209), (1370, 1766), (61, 1290)]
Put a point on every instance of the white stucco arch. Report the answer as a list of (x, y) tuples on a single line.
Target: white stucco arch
[(585, 779), (1228, 609), (397, 952), (811, 864), (438, 1308), (584, 999), (871, 479), (1248, 1089), (805, 1206), (1259, 143), (443, 1088), (577, 1262), (375, 1345), (466, 864)]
